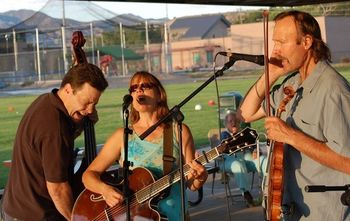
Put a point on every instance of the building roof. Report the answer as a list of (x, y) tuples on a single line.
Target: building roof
[(116, 52), (198, 26)]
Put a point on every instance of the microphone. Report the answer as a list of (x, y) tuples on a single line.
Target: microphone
[(257, 59), (127, 100), (345, 198)]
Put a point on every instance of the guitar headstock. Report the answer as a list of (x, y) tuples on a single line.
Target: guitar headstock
[(240, 141)]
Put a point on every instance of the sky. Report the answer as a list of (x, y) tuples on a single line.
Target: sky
[(145, 10)]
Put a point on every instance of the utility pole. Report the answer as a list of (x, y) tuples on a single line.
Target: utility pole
[(92, 43), (122, 44), (148, 56), (63, 33), (38, 53), (15, 52)]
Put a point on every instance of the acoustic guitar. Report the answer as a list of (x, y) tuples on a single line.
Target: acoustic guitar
[(144, 188)]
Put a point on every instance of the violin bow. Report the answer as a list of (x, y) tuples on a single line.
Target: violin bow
[(266, 61)]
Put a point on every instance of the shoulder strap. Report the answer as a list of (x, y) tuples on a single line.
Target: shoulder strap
[(168, 158)]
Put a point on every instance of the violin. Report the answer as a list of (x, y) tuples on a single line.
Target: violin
[(273, 182), (275, 169)]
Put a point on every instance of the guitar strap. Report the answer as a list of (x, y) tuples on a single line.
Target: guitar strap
[(168, 158)]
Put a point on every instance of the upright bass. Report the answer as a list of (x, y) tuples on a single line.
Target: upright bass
[(90, 152), (273, 182)]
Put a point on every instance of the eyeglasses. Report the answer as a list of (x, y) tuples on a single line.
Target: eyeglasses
[(143, 87)]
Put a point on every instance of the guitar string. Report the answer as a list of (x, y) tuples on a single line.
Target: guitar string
[(113, 211)]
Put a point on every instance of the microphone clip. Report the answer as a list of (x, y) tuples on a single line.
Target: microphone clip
[(127, 100)]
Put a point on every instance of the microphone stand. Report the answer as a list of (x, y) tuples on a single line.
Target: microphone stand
[(126, 163), (345, 197), (176, 114)]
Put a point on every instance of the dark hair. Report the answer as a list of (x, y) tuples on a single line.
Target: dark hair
[(85, 73), (162, 106), (307, 25)]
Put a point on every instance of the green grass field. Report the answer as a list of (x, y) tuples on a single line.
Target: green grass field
[(12, 109)]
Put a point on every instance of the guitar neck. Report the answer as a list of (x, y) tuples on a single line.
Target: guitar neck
[(173, 177), (237, 142)]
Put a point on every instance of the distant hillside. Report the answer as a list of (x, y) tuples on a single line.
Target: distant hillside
[(11, 18), (28, 19)]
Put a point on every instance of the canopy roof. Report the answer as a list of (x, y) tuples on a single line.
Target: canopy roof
[(240, 2), (116, 52)]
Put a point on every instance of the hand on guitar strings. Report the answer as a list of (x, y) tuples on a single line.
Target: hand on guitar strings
[(112, 196), (197, 172)]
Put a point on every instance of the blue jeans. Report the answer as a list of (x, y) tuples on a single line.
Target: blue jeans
[(240, 164)]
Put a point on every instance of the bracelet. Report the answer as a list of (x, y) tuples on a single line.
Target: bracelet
[(256, 90), (201, 180)]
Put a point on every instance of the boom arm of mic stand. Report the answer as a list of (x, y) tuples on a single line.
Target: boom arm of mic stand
[(173, 113), (345, 197), (177, 107), (323, 188)]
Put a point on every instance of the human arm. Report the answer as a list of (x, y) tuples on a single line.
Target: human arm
[(61, 195), (278, 130), (251, 108), (198, 174), (106, 157)]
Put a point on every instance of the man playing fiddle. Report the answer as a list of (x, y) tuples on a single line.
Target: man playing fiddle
[(315, 127)]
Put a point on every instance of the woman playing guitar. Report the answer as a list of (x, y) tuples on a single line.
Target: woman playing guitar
[(148, 106)]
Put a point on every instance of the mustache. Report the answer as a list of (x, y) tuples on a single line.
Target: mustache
[(277, 60)]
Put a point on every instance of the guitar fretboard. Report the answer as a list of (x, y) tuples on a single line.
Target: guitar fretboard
[(246, 138), (166, 181)]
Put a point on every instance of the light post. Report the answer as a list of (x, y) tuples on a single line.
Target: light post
[(7, 43)]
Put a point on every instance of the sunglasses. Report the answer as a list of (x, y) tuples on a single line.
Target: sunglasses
[(143, 87)]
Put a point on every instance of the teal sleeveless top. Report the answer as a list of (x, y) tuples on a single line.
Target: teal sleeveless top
[(149, 154)]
